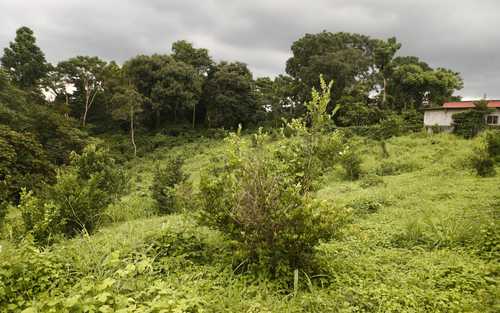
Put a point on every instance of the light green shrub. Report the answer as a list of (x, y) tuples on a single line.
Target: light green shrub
[(261, 201), (165, 181), (482, 159), (389, 167), (77, 200)]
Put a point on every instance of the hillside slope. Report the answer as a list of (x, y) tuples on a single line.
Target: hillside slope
[(424, 237)]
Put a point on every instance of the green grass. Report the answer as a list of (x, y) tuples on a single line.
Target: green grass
[(420, 241)]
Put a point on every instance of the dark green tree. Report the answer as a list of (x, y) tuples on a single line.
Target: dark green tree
[(229, 96), (414, 83), (143, 72), (24, 60), (197, 57), (342, 57), (177, 89), (383, 55), (23, 163)]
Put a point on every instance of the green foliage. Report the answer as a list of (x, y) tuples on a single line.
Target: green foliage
[(76, 201), (24, 60), (166, 183), (391, 125), (351, 162), (492, 140), (371, 180), (367, 205), (309, 155), (340, 57), (470, 123), (229, 98), (419, 242), (255, 200), (484, 155), (29, 273), (198, 58), (396, 167), (318, 105), (23, 163)]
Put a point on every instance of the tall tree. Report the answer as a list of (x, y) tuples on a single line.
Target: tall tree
[(342, 57), (184, 51), (229, 96), (383, 55), (414, 83), (142, 71), (85, 74), (197, 57), (127, 104), (24, 60), (177, 89)]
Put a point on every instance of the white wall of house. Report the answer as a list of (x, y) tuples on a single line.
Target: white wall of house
[(443, 117)]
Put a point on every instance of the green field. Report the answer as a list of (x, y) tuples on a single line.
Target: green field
[(423, 237)]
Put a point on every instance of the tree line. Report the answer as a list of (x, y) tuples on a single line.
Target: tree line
[(186, 86)]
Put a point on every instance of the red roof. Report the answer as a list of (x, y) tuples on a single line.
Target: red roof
[(470, 104)]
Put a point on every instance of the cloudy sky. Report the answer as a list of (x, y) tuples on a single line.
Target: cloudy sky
[(463, 35)]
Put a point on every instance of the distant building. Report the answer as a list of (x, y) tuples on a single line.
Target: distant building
[(441, 117)]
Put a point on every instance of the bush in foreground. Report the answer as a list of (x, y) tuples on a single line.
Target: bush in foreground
[(76, 201), (485, 154), (255, 200)]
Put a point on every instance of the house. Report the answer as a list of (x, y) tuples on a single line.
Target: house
[(441, 117)]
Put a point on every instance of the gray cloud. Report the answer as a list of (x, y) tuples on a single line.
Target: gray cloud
[(460, 34)]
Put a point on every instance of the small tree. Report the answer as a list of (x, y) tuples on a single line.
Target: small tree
[(128, 103), (260, 196), (252, 196), (165, 181), (318, 105)]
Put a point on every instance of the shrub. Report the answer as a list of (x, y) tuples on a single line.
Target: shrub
[(371, 180), (395, 167), (309, 155), (165, 180), (256, 199), (27, 274), (351, 162), (482, 160), (492, 139), (78, 198), (392, 125), (367, 205)]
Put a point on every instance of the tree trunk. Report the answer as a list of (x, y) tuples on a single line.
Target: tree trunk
[(85, 115), (132, 134), (194, 115), (87, 99), (157, 125), (384, 96)]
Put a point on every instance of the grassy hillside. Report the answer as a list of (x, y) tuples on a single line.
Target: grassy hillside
[(424, 237)]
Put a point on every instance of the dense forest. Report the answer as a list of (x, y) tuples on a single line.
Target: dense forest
[(177, 183)]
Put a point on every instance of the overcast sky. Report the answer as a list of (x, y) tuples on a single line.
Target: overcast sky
[(463, 35)]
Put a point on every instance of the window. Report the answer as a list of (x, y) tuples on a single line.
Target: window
[(492, 119)]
